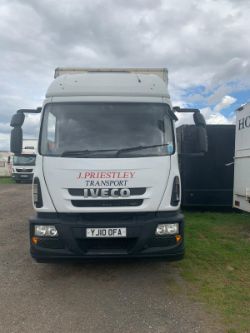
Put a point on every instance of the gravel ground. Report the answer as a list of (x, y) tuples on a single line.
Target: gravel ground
[(138, 296)]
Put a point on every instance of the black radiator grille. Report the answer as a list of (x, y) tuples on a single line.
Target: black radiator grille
[(107, 203), (24, 170), (107, 244)]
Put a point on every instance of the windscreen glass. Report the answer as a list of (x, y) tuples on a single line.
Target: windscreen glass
[(104, 129), (24, 160)]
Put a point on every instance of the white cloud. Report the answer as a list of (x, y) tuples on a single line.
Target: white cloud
[(4, 142), (30, 130), (203, 43), (219, 119), (225, 102), (212, 116)]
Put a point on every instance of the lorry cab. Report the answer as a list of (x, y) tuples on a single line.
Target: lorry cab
[(107, 181), (23, 164)]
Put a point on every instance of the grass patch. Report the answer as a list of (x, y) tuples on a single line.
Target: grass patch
[(6, 180), (217, 264)]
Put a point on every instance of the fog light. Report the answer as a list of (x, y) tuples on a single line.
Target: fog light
[(34, 240), (167, 229), (178, 238), (46, 231)]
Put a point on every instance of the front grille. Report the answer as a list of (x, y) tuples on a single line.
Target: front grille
[(51, 243), (107, 203), (162, 241), (133, 191), (107, 244), (24, 170)]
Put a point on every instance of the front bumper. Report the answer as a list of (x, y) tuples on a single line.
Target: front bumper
[(140, 241), (23, 176)]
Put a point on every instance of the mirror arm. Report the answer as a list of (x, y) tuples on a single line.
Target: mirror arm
[(184, 110), (37, 110), (199, 120)]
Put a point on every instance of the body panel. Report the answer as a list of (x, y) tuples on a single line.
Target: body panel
[(140, 241), (147, 172), (108, 84), (242, 159), (207, 179)]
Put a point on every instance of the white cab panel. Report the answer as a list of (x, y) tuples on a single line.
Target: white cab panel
[(62, 174)]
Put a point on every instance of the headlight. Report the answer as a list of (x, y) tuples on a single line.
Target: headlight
[(46, 231), (167, 229)]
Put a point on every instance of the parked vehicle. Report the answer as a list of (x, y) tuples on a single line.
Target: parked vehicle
[(5, 168), (23, 164), (107, 181), (242, 159), (207, 179)]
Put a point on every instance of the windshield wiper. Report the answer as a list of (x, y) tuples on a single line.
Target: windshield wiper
[(120, 151), (84, 153)]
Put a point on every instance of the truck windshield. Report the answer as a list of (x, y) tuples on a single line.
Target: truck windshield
[(24, 160), (102, 129)]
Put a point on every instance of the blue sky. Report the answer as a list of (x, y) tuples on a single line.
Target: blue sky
[(241, 97), (204, 44)]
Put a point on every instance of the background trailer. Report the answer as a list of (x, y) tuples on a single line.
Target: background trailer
[(242, 159), (207, 179)]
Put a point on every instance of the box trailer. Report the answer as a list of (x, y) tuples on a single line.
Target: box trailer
[(107, 180), (207, 179), (241, 198)]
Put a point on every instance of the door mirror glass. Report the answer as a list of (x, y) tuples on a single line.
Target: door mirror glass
[(16, 140), (199, 119), (17, 119)]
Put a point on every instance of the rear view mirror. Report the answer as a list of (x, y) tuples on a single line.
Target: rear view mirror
[(16, 140), (17, 120), (199, 119), (200, 123), (192, 140)]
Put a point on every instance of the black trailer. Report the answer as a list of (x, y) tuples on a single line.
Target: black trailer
[(207, 179)]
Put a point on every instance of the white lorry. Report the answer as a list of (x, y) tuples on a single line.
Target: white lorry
[(242, 159), (23, 164), (106, 182)]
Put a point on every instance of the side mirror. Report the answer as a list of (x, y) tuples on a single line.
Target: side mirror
[(199, 119), (17, 119), (16, 140), (192, 140)]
